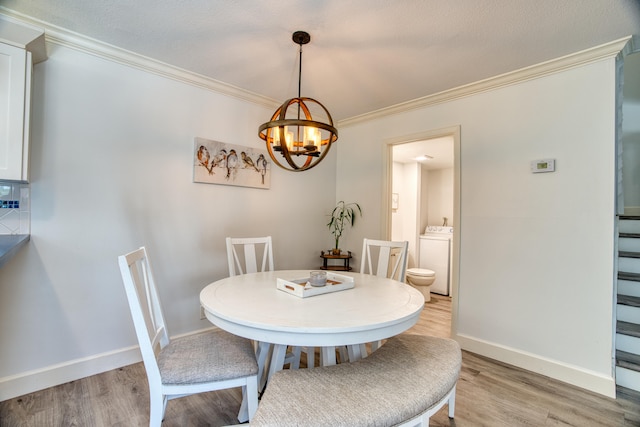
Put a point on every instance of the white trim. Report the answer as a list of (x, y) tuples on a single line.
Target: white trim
[(453, 132), (39, 379), (53, 375), (15, 33), (583, 378), (567, 62), (63, 37)]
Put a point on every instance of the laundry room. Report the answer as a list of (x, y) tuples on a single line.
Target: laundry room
[(422, 209)]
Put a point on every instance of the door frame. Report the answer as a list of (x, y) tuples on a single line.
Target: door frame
[(453, 132)]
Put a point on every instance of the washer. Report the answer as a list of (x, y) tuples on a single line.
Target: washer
[(435, 254)]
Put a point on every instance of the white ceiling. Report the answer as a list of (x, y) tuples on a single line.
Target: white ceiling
[(439, 149), (364, 54)]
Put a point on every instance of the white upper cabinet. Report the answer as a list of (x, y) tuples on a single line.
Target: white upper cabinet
[(15, 96), (20, 46)]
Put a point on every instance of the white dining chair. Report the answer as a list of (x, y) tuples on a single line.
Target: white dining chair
[(198, 363), (383, 258), (250, 248), (242, 255), (391, 259)]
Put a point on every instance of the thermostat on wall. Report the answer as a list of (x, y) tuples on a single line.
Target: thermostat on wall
[(544, 165)]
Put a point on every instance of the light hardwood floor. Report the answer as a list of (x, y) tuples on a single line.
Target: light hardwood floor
[(489, 394)]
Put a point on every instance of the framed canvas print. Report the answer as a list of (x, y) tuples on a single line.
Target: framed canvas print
[(215, 162)]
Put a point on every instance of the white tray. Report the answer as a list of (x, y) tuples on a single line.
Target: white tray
[(302, 288)]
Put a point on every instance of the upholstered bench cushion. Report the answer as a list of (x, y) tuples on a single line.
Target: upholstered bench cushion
[(404, 378), (210, 356)]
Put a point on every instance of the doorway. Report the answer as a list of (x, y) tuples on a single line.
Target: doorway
[(423, 189)]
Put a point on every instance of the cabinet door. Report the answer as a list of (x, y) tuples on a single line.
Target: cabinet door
[(14, 100)]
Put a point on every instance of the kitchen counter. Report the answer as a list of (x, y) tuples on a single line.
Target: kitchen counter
[(10, 244)]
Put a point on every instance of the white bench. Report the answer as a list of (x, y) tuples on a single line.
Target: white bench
[(401, 384)]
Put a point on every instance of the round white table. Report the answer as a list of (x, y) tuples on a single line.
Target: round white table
[(251, 306)]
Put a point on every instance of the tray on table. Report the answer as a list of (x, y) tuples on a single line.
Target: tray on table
[(302, 288)]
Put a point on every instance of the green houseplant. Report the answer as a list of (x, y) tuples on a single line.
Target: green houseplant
[(343, 214)]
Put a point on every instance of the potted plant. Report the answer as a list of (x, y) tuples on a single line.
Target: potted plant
[(343, 214)]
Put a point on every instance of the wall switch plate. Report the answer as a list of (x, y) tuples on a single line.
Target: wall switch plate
[(543, 165)]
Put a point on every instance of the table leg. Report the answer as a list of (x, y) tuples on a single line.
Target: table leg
[(277, 359), (344, 354), (262, 355), (363, 350), (355, 352), (311, 356), (328, 356), (295, 353)]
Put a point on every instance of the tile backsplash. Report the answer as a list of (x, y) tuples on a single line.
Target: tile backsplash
[(14, 208)]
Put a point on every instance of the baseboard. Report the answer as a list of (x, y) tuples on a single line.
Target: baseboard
[(50, 376), (579, 377), (39, 379)]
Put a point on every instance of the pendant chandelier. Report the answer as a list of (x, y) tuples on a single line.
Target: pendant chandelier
[(301, 130)]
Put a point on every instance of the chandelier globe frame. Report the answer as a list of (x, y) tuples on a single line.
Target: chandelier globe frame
[(301, 131)]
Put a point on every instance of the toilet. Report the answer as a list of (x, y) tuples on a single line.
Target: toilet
[(421, 279)]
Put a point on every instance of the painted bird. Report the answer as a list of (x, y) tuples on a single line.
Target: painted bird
[(262, 166), (232, 162), (220, 159), (203, 158), (248, 162)]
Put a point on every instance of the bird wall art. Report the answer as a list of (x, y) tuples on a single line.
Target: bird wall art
[(220, 163)]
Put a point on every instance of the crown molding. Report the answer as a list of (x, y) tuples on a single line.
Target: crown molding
[(55, 35), (63, 37), (608, 50), (27, 37), (633, 46)]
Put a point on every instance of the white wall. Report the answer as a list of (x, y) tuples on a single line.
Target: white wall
[(399, 187), (424, 202), (405, 219), (111, 169), (440, 196), (536, 250), (423, 194)]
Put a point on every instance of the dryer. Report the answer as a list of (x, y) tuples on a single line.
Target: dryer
[(435, 254)]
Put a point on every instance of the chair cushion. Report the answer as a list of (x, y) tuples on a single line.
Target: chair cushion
[(210, 356), (407, 376)]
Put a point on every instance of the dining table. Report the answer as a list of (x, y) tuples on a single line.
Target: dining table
[(251, 306)]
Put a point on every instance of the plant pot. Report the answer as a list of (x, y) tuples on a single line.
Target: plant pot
[(335, 251)]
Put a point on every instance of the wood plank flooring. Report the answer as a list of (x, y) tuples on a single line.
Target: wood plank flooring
[(489, 394)]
